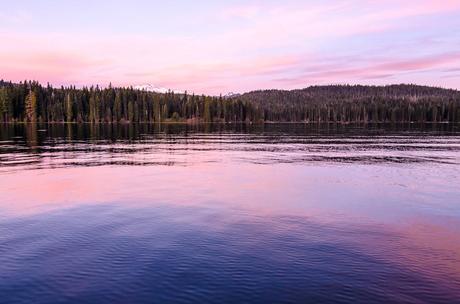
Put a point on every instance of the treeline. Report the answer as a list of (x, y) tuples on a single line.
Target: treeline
[(32, 102), (394, 103)]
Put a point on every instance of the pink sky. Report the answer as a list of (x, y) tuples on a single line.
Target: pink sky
[(231, 46)]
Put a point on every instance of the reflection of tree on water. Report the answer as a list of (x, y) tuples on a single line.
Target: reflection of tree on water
[(6, 131), (69, 131), (31, 135), (119, 131), (74, 144), (82, 131), (94, 132)]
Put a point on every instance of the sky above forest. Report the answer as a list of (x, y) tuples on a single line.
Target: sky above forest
[(215, 47)]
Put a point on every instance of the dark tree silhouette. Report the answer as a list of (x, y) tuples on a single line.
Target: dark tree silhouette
[(30, 101)]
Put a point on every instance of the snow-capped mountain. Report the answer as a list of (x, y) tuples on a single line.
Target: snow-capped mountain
[(231, 95), (152, 88)]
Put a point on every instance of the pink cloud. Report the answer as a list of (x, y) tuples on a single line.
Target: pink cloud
[(56, 67), (374, 68), (420, 63)]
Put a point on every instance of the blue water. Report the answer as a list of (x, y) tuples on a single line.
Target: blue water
[(280, 215)]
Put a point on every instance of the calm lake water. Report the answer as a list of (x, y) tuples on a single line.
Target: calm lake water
[(229, 214)]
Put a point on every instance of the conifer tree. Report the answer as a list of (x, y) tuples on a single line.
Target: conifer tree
[(3, 104), (31, 107), (69, 107)]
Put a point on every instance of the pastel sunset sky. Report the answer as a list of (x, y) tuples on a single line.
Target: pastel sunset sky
[(231, 46)]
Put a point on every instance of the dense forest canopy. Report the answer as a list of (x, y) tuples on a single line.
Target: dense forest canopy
[(29, 101)]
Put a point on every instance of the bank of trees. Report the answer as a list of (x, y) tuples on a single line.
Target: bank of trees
[(32, 102), (29, 101), (395, 103)]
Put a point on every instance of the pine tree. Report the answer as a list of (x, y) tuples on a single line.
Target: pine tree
[(31, 107), (92, 109), (207, 110), (3, 103), (130, 111), (117, 107), (69, 107)]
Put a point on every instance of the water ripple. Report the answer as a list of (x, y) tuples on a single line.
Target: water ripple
[(186, 148), (163, 255)]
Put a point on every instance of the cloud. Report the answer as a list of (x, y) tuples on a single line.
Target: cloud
[(374, 68), (456, 76), (56, 66)]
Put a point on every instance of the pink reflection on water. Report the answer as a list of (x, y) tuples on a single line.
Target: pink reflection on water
[(420, 212), (331, 192)]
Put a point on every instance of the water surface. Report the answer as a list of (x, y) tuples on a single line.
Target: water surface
[(230, 213)]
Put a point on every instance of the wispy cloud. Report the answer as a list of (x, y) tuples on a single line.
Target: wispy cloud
[(373, 68)]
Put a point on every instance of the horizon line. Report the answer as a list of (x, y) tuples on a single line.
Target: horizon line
[(223, 94)]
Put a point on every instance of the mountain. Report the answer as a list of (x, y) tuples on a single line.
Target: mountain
[(350, 93), (155, 89), (231, 95)]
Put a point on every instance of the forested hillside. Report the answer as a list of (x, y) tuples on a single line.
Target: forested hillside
[(31, 102), (394, 103)]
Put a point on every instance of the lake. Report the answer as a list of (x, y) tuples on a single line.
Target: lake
[(275, 213)]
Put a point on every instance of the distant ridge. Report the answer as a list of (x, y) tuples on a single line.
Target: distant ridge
[(355, 91), (314, 89), (398, 89)]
